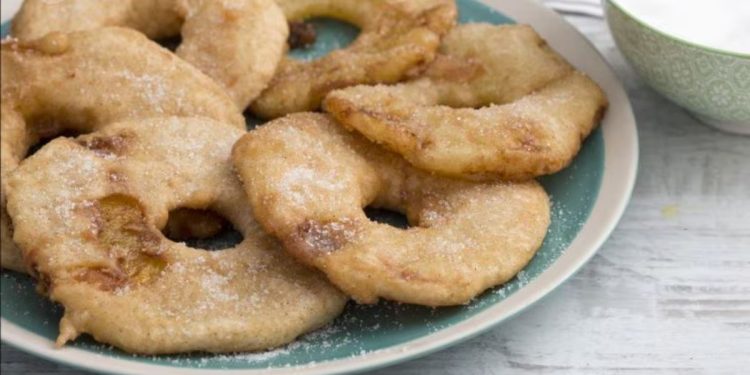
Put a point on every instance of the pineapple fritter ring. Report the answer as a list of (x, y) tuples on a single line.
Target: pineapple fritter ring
[(496, 103), (238, 43), (396, 36), (308, 180), (88, 214), (85, 80)]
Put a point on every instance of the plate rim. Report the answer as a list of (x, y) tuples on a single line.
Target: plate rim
[(617, 183)]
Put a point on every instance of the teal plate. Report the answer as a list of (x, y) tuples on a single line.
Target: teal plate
[(376, 335)]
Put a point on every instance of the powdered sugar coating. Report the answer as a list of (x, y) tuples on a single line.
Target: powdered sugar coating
[(84, 81), (465, 236), (396, 36), (497, 102), (238, 43), (158, 296)]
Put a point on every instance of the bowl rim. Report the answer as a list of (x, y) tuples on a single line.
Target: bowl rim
[(620, 170), (679, 40)]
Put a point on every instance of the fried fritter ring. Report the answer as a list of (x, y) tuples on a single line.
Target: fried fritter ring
[(238, 43), (88, 214), (308, 180), (396, 36), (533, 108), (85, 80)]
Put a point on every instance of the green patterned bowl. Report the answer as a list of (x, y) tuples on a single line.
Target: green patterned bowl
[(712, 84)]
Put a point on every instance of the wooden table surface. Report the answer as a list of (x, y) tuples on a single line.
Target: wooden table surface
[(668, 293)]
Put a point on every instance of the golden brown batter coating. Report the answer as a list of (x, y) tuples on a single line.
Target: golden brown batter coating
[(238, 43), (84, 81), (496, 103), (308, 180), (88, 214), (396, 36)]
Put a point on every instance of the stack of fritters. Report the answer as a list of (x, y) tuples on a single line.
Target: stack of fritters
[(447, 125)]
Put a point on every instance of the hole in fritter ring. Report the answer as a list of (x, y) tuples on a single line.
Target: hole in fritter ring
[(41, 142), (43, 130), (385, 216), (171, 43), (251, 120), (203, 229), (316, 37)]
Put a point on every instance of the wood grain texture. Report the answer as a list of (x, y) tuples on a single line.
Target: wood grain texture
[(668, 293)]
